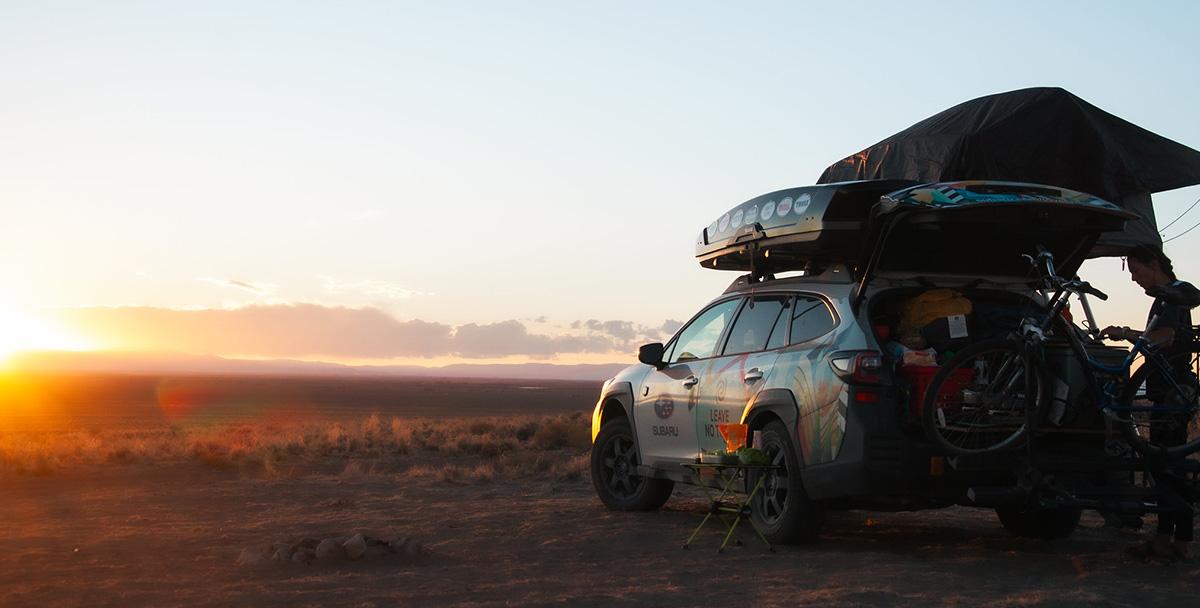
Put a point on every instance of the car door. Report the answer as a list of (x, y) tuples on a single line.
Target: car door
[(742, 369), (665, 409)]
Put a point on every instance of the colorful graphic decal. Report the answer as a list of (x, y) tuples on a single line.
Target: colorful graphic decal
[(960, 193), (821, 396)]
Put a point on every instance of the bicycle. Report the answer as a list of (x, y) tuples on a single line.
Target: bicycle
[(988, 396)]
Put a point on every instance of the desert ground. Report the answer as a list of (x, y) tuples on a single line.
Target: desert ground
[(488, 482)]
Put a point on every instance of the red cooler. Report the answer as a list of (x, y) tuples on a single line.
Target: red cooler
[(919, 379)]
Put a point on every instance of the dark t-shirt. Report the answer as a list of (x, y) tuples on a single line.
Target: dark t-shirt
[(1178, 352)]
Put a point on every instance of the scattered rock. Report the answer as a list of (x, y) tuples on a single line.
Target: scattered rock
[(396, 544), (356, 547), (250, 557), (328, 548), (415, 549)]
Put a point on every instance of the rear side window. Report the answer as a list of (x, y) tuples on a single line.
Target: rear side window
[(756, 324), (811, 318), (699, 339)]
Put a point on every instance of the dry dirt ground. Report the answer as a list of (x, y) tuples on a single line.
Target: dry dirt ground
[(162, 535)]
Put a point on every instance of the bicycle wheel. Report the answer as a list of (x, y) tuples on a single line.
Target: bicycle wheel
[(1158, 415), (977, 401)]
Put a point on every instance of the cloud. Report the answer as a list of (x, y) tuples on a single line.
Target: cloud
[(622, 330), (311, 330), (513, 338), (287, 330), (670, 326), (236, 284)]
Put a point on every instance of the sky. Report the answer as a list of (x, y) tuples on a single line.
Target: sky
[(501, 181)]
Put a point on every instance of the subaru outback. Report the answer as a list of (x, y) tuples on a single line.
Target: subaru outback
[(801, 346)]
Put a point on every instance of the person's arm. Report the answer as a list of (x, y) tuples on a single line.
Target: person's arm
[(1112, 332), (1158, 337)]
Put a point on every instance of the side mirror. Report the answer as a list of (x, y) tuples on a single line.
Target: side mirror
[(652, 354)]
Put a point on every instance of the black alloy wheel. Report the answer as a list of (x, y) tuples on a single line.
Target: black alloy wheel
[(614, 472)]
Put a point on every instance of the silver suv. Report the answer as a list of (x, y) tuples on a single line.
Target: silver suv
[(810, 360)]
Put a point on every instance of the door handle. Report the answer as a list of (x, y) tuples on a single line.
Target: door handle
[(753, 375), (690, 381)]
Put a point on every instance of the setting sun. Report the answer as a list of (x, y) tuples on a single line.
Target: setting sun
[(22, 331)]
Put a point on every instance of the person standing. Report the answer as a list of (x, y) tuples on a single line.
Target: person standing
[(1149, 267)]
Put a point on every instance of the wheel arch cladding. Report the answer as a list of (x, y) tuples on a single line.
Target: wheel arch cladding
[(615, 402), (774, 404)]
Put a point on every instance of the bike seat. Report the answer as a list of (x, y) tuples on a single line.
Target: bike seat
[(1180, 293)]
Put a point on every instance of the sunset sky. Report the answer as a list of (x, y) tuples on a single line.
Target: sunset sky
[(437, 182)]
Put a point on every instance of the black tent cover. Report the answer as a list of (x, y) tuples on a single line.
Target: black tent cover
[(1038, 135)]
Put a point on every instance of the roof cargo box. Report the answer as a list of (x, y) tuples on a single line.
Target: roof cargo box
[(791, 227), (974, 227)]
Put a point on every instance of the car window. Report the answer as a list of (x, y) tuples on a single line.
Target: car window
[(699, 339), (811, 318), (779, 333), (752, 329)]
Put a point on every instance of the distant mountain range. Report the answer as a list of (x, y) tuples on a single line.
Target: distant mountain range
[(177, 363)]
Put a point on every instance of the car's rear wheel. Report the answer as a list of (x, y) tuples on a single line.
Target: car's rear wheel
[(781, 508), (1046, 524), (614, 471)]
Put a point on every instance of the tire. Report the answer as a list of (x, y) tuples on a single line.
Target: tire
[(977, 403), (614, 461), (782, 509), (1045, 524), (1166, 435)]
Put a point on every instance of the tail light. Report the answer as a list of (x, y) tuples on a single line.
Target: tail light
[(858, 366)]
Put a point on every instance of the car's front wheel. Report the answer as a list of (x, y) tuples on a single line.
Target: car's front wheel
[(614, 471), (781, 508)]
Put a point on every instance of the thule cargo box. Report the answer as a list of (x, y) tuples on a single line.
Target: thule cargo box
[(967, 226), (791, 227)]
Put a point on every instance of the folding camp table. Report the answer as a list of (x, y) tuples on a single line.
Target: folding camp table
[(730, 501)]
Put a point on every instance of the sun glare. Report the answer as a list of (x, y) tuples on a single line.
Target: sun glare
[(20, 331)]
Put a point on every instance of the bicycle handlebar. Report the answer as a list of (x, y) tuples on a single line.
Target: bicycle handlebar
[(1044, 263), (1084, 287)]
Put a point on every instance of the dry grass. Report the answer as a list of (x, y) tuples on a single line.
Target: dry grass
[(454, 450)]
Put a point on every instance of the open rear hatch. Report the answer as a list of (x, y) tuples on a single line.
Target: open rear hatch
[(981, 228)]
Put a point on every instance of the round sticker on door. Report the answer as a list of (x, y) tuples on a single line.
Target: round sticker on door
[(724, 223), (785, 206), (737, 218), (801, 204), (752, 215), (768, 210)]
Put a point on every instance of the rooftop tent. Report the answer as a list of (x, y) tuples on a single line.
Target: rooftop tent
[(1040, 135)]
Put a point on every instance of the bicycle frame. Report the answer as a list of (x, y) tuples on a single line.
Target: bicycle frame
[(1105, 399)]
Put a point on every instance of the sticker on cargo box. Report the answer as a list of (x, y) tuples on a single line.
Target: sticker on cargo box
[(801, 204), (768, 210), (785, 206), (958, 326)]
